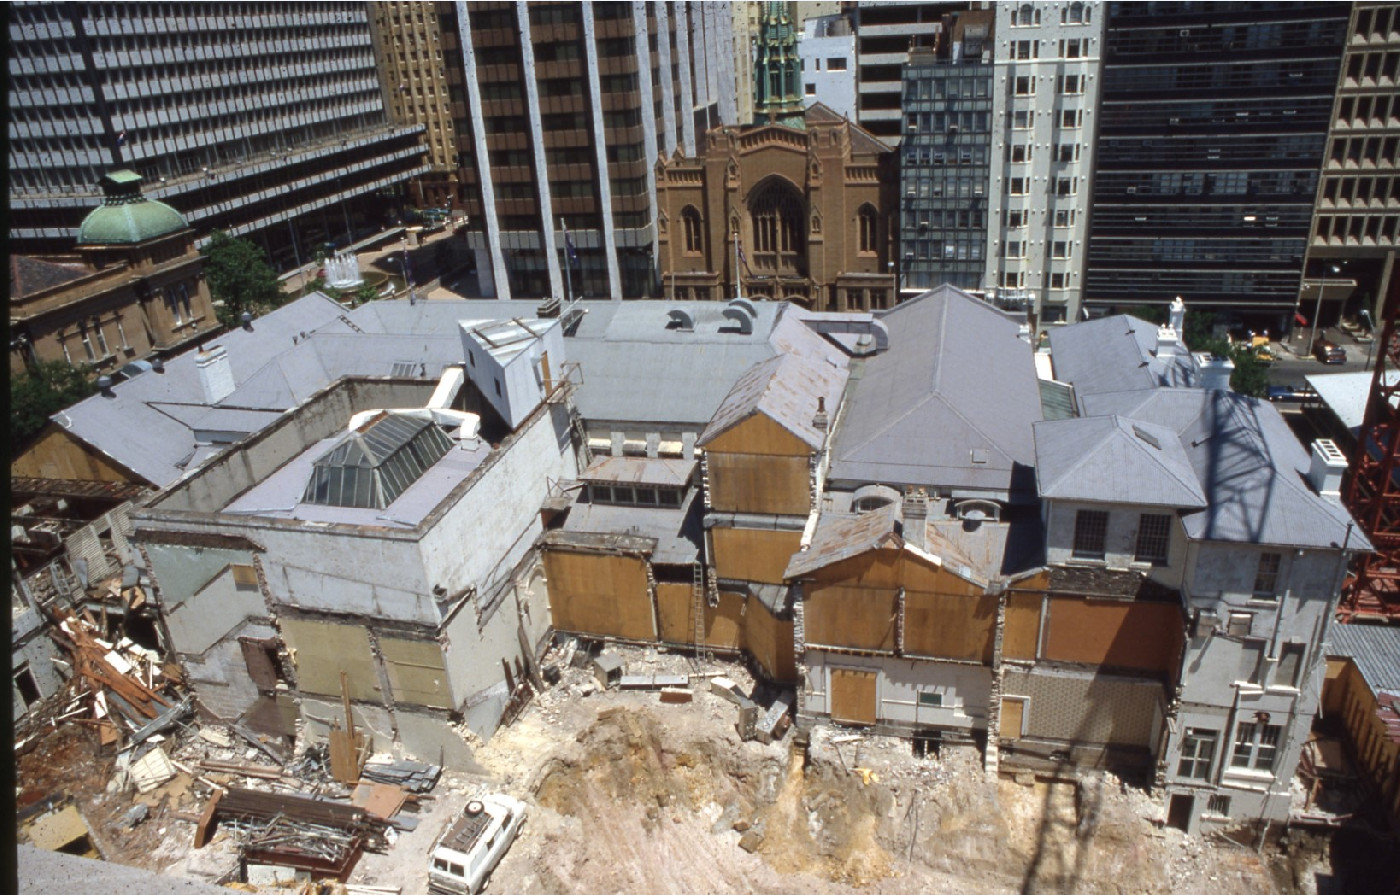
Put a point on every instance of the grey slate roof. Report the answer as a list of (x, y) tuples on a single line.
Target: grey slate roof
[(1374, 648), (1110, 459), (669, 471), (1118, 353), (677, 531), (956, 380), (1250, 466), (42, 872)]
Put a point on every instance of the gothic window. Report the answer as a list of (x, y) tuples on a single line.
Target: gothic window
[(779, 223), (694, 241), (867, 220)]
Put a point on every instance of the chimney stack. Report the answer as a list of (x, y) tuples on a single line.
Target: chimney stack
[(820, 421), (215, 374), (1177, 316), (1329, 464)]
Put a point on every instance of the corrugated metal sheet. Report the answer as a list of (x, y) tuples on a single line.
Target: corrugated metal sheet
[(1374, 648)]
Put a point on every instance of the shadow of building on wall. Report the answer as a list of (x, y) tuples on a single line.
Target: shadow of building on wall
[(805, 214)]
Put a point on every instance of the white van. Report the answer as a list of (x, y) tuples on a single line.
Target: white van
[(471, 846)]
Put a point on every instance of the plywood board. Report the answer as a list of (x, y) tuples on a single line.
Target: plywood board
[(743, 554), (1022, 633), (416, 672), (1144, 636), (58, 455), (750, 483), (1012, 718), (600, 594), (949, 626), (759, 434), (770, 641), (853, 617), (852, 696), (724, 624), (322, 650)]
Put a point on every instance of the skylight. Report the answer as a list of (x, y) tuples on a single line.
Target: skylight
[(372, 466)]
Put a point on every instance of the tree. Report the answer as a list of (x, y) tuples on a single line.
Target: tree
[(37, 395), (240, 277)]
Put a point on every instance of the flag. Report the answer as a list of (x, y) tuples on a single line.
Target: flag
[(569, 249), (744, 261)]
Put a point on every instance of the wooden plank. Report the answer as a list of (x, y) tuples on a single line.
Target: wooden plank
[(749, 555), (601, 595), (746, 483), (205, 830), (852, 696)]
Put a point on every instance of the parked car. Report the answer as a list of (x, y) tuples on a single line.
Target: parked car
[(1291, 394), (1329, 352), (473, 844)]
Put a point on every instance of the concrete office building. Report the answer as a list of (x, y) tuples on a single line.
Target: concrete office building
[(828, 50), (557, 124), (1047, 60), (1213, 123), (263, 120), (886, 30), (1356, 223)]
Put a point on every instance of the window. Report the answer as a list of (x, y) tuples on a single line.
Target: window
[(836, 63), (1076, 14), (1074, 48), (1218, 805), (1266, 576), (1090, 532), (810, 89), (87, 341), (1067, 152), (1015, 219), (1025, 16), (1014, 249), (1064, 217), (1025, 85), (1197, 753), (1021, 152), (930, 699), (1061, 249), (1154, 530), (1011, 279), (1256, 746), (101, 336), (1071, 118), (1025, 49), (1058, 280), (1290, 663), (1066, 186), (868, 221), (1023, 119), (1072, 84), (690, 221), (1018, 186)]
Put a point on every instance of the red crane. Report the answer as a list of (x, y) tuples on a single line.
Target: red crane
[(1373, 490)]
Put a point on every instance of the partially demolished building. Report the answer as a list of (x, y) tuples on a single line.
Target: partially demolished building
[(1096, 556)]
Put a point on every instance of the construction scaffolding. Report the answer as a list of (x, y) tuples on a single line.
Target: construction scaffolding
[(1373, 490)]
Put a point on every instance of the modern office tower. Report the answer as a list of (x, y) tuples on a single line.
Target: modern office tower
[(828, 51), (946, 152), (564, 110), (414, 77), (886, 30), (744, 22), (261, 119), (1213, 122), (1357, 216), (1047, 61)]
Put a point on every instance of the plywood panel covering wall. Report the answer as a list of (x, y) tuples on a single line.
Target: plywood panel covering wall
[(769, 640), (599, 594), (894, 567), (852, 696), (322, 650), (416, 672), (949, 626), (754, 483), (724, 624), (1144, 636), (853, 617), (743, 554), (759, 434), (1022, 634), (58, 455)]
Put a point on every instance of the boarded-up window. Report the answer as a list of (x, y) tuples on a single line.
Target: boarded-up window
[(1013, 718), (416, 671), (852, 696), (245, 577)]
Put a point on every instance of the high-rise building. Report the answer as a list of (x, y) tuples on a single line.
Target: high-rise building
[(1044, 107), (414, 77), (886, 30), (260, 119), (946, 150), (1213, 122), (560, 112), (1356, 224)]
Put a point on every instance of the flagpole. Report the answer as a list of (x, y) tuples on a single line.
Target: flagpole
[(738, 274)]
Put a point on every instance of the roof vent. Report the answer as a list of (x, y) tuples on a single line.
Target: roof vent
[(821, 421), (743, 323), (1329, 464), (680, 320), (246, 318), (1147, 437), (747, 306), (158, 364), (104, 385)]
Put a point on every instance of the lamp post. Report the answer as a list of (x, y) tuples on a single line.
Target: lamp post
[(1317, 308)]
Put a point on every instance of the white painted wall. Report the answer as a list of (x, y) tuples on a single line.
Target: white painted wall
[(834, 88), (1120, 546)]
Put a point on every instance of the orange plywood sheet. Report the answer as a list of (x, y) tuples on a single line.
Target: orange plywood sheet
[(853, 617), (751, 555), (751, 483), (724, 624), (949, 626), (852, 696), (1022, 634), (1145, 636), (600, 594), (758, 434), (769, 640)]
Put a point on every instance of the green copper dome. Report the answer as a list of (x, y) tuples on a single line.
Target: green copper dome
[(127, 217)]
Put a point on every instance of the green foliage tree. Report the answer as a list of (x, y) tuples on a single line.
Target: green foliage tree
[(365, 293), (37, 395), (240, 277)]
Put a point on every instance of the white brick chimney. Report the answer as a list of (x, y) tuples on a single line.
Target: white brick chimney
[(1329, 464), (215, 374)]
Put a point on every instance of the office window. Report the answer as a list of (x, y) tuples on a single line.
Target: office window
[(1014, 249), (1021, 119), (1060, 249), (1074, 48), (1018, 186), (1072, 84), (1266, 576), (1071, 118), (1090, 534), (869, 226), (1058, 280), (1197, 753), (1064, 217), (1256, 746), (1025, 49), (836, 63), (1011, 279), (1025, 16), (1020, 152), (1066, 186), (1015, 219), (1067, 152), (1154, 529), (1025, 85), (810, 89)]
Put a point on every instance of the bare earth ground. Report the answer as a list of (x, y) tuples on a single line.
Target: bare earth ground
[(630, 795)]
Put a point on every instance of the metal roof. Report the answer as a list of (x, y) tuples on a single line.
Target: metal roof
[(1120, 353), (1111, 459), (666, 471), (1374, 648), (949, 404), (1347, 393)]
